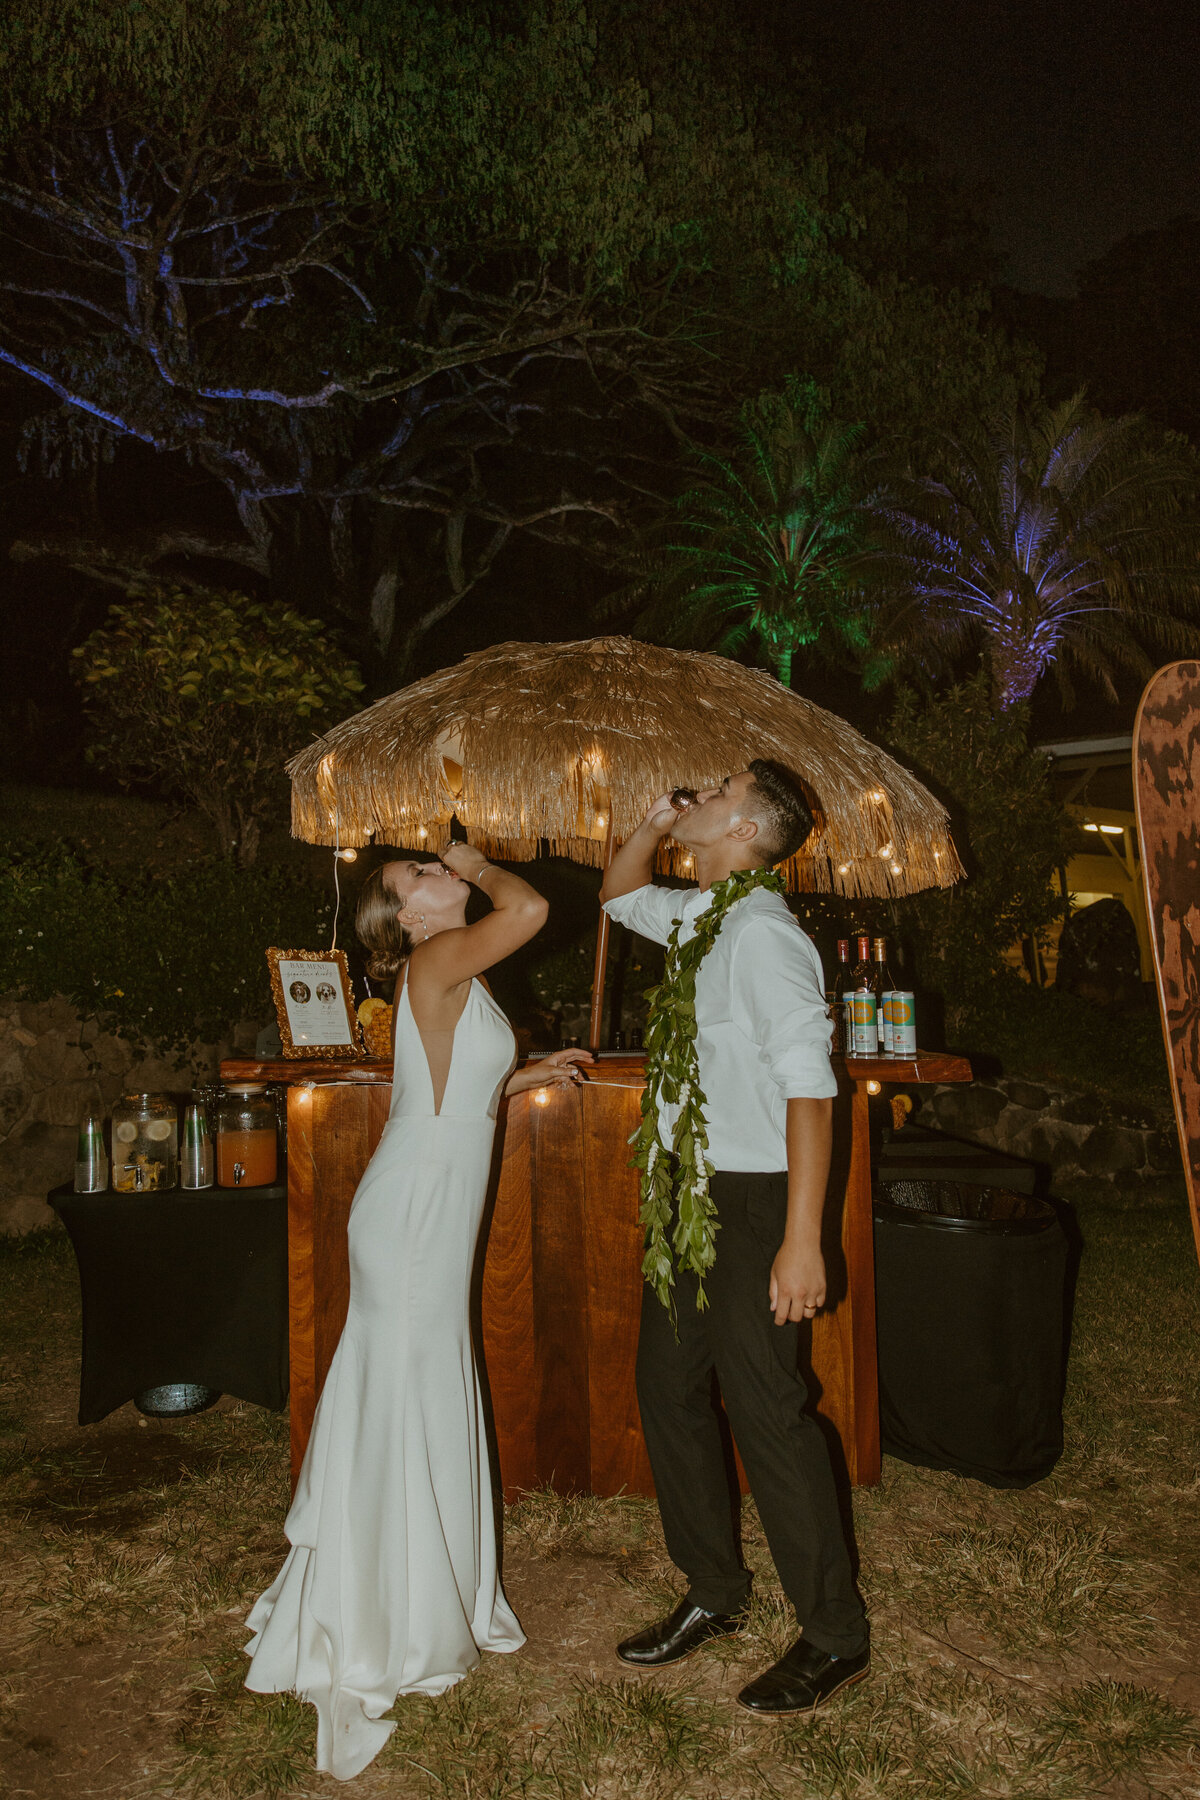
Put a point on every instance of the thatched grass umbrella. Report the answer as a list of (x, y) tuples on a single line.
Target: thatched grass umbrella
[(566, 744)]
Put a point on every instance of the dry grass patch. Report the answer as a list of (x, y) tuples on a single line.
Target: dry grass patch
[(80, 1590), (554, 1525), (920, 1733), (1107, 1730), (1029, 1582), (636, 1731), (234, 1745)]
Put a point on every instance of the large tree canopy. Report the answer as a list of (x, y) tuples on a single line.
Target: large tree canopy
[(405, 282)]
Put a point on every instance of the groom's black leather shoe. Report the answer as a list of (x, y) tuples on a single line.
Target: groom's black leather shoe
[(802, 1679), (681, 1634)]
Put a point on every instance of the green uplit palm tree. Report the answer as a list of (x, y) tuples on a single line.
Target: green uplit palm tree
[(1055, 539), (770, 548)]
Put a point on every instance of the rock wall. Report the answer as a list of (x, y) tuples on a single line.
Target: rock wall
[(54, 1067), (1078, 1136)]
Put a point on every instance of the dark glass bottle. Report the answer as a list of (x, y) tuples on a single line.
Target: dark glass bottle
[(863, 1038), (883, 986), (838, 996)]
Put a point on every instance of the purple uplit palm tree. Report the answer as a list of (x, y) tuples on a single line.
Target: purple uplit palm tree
[(1053, 538)]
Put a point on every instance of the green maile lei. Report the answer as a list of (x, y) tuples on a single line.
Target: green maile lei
[(673, 1076)]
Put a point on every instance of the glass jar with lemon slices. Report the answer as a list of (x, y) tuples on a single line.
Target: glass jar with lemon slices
[(145, 1143)]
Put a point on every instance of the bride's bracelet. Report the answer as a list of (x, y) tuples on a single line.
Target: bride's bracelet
[(478, 875)]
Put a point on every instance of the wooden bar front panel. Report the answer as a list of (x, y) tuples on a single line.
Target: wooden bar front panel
[(560, 1289), (562, 1292)]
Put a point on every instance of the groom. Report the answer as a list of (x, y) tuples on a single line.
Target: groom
[(754, 1079)]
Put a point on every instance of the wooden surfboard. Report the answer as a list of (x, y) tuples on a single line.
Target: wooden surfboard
[(1166, 788)]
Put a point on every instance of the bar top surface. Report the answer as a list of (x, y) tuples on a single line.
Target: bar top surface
[(617, 1070)]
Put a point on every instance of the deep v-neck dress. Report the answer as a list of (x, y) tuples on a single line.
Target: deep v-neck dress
[(391, 1585)]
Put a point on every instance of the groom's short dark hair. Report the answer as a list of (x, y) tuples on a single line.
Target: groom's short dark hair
[(785, 816)]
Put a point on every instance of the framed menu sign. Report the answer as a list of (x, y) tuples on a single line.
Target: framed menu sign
[(313, 1002)]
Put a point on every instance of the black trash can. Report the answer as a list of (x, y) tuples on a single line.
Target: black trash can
[(970, 1308)]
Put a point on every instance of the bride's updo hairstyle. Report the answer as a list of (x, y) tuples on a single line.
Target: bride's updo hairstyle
[(379, 930)]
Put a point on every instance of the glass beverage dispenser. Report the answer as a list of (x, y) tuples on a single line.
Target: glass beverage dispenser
[(145, 1143), (247, 1141)]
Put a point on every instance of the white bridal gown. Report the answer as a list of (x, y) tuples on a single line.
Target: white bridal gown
[(391, 1585)]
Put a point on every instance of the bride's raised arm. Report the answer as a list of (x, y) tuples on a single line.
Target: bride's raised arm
[(518, 913)]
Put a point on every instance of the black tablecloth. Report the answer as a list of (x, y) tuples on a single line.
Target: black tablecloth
[(972, 1330), (180, 1287)]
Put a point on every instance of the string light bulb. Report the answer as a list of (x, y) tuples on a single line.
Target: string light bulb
[(347, 855), (874, 1087), (541, 1098)]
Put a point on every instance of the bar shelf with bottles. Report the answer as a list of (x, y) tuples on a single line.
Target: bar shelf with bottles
[(872, 1018)]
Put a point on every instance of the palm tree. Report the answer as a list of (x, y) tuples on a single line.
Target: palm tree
[(1055, 537), (769, 548)]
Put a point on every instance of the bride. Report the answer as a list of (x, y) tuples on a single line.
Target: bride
[(391, 1584)]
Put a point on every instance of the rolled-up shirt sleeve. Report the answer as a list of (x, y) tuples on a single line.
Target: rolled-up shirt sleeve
[(650, 911), (777, 1000)]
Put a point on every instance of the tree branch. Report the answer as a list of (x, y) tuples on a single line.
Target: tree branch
[(122, 562)]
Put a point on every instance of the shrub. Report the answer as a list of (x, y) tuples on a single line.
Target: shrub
[(161, 961), (1048, 1035), (206, 696), (1010, 830)]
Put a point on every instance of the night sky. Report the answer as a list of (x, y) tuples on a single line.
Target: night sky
[(1080, 121)]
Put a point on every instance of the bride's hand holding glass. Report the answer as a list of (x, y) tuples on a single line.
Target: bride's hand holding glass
[(464, 860)]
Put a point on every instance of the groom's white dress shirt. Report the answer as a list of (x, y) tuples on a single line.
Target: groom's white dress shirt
[(762, 1030)]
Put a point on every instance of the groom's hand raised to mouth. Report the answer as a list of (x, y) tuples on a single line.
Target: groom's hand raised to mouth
[(633, 864), (660, 815)]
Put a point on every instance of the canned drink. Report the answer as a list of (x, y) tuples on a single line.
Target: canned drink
[(865, 1039), (904, 1024), (885, 1024)]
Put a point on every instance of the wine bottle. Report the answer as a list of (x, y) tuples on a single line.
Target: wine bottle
[(864, 1040), (883, 986), (839, 997)]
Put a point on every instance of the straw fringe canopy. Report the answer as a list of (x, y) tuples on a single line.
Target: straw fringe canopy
[(533, 744)]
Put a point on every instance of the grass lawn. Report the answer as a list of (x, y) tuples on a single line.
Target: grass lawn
[(1038, 1645)]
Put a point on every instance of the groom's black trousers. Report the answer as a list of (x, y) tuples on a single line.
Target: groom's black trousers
[(781, 1446)]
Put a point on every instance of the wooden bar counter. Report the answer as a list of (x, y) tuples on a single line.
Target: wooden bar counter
[(560, 1291)]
